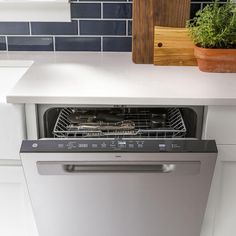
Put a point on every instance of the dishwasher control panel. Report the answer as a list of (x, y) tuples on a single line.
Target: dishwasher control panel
[(119, 145)]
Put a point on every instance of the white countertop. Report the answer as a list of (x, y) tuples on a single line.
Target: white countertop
[(112, 78), (9, 75)]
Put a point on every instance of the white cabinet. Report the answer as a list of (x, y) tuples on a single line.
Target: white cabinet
[(16, 218), (35, 10), (12, 130), (221, 210), (221, 124), (225, 214), (12, 117)]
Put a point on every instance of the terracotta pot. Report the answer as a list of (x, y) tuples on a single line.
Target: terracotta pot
[(216, 60)]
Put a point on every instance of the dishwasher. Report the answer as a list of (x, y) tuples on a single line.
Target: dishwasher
[(119, 170)]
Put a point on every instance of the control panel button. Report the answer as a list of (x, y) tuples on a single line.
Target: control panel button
[(140, 144), (175, 146), (162, 147), (103, 145), (60, 145), (83, 145), (131, 145), (71, 145), (113, 144), (94, 145), (34, 145), (122, 144)]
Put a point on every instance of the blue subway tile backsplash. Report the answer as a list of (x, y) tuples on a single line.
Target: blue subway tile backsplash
[(117, 10), (78, 43), (18, 43), (97, 25), (102, 27), (14, 28), (54, 28), (86, 10), (119, 44), (2, 43)]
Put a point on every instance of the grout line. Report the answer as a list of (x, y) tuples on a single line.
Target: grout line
[(102, 44), (102, 19), (66, 36), (78, 23), (54, 43), (124, 1), (101, 10), (30, 29), (6, 41)]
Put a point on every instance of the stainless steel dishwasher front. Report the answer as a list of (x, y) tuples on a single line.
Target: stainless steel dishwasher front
[(114, 188)]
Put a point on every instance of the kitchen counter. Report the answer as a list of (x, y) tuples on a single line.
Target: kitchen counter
[(10, 73), (112, 78)]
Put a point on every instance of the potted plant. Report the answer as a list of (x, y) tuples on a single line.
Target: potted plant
[(213, 31)]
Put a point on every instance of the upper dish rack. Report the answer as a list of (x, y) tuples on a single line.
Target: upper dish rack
[(130, 123)]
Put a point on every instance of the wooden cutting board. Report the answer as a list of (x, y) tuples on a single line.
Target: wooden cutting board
[(149, 13), (173, 47)]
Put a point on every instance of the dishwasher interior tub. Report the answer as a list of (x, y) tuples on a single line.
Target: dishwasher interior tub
[(131, 122)]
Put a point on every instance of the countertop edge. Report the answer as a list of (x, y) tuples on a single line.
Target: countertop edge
[(181, 86), (121, 101)]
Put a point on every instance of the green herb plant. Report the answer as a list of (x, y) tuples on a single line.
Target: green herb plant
[(214, 26)]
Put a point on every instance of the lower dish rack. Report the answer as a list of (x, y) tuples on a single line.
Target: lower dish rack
[(119, 123)]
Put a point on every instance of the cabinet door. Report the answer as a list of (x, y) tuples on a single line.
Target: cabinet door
[(221, 211), (12, 126), (12, 118), (16, 218), (40, 10), (221, 124)]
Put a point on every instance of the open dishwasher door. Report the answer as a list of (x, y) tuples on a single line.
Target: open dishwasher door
[(119, 187)]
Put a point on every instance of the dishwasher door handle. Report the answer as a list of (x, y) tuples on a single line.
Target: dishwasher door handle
[(73, 168), (127, 168)]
